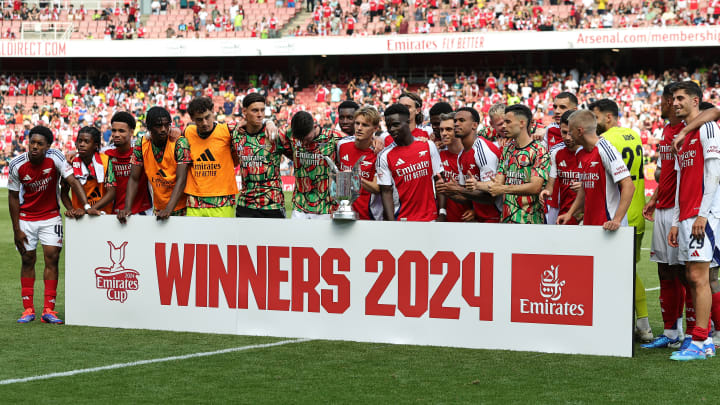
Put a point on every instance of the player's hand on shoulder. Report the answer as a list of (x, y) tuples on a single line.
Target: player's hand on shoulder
[(70, 155)]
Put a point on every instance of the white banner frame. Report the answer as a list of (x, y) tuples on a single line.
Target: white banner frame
[(128, 296)]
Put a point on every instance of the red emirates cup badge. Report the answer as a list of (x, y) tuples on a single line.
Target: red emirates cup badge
[(552, 289), (116, 279)]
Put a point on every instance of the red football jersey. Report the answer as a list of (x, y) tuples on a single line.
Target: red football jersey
[(122, 167), (455, 210), (348, 154), (666, 163), (481, 162), (565, 170), (410, 169), (699, 145), (38, 184), (601, 168)]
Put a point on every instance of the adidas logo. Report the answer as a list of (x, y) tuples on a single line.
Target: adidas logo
[(46, 171), (206, 156), (161, 173), (562, 164), (445, 162), (579, 165), (695, 254), (400, 162), (27, 178), (345, 157)]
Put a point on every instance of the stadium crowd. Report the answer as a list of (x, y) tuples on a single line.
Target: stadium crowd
[(67, 103), (364, 17)]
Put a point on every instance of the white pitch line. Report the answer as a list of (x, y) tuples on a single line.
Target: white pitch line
[(151, 361), (644, 248), (652, 289)]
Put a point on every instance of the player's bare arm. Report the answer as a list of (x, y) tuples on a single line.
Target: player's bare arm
[(78, 190), (18, 234), (177, 193), (547, 191), (712, 114), (576, 207), (627, 188), (386, 193), (130, 193)]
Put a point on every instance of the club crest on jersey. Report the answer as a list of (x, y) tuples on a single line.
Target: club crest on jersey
[(593, 164), (422, 153), (46, 171), (116, 279), (366, 163)]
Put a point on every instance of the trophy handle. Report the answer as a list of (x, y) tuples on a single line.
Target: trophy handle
[(356, 167), (331, 164)]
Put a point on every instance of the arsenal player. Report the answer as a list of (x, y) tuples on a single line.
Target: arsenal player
[(522, 170), (346, 117), (603, 171), (409, 165), (359, 146), (164, 159), (563, 102), (459, 209), (660, 209), (477, 163), (413, 103), (696, 215), (35, 216), (122, 126), (564, 172)]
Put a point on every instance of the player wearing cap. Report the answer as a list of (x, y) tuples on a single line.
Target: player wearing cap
[(564, 172), (522, 171), (628, 143), (308, 144), (359, 146), (660, 210), (410, 165), (164, 158), (35, 216), (607, 188), (696, 215), (260, 154), (211, 186)]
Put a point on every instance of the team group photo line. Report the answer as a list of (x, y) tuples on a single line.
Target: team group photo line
[(399, 164)]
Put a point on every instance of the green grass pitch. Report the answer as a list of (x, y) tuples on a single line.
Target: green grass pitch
[(315, 371)]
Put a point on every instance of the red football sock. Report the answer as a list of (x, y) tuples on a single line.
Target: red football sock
[(668, 303), (700, 334), (27, 286), (680, 297), (689, 312), (50, 294), (715, 310)]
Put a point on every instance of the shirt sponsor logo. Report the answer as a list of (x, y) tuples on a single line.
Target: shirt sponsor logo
[(552, 289)]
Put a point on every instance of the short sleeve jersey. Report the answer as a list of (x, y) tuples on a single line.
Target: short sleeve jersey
[(455, 210), (519, 165), (602, 168), (666, 161), (628, 143), (121, 166), (260, 170), (38, 184), (410, 169), (312, 180), (481, 162), (699, 145), (348, 155), (564, 168)]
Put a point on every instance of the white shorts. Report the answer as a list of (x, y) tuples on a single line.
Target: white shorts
[(660, 251), (306, 215), (692, 250), (49, 232), (552, 215)]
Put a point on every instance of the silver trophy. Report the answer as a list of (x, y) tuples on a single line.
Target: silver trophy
[(345, 189)]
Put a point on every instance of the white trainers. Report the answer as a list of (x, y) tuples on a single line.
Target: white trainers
[(716, 338), (644, 335)]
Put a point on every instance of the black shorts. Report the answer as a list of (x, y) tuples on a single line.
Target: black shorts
[(245, 212)]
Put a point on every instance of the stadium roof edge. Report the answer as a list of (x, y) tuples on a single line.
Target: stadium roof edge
[(656, 37)]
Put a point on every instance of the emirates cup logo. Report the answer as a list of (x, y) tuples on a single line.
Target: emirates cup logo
[(116, 279)]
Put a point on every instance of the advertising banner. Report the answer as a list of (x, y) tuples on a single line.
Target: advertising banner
[(493, 286)]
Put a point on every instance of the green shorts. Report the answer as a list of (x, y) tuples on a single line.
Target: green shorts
[(215, 212)]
